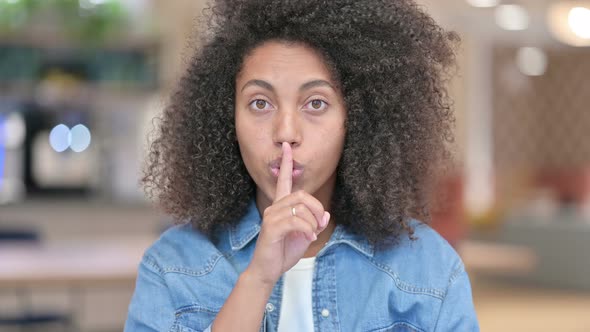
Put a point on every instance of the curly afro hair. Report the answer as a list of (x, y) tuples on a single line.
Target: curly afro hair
[(392, 62)]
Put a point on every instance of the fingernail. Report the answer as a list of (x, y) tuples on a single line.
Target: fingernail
[(315, 237), (326, 219)]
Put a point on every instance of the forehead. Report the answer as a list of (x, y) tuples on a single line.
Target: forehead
[(276, 60)]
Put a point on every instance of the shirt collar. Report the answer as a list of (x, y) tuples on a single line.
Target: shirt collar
[(358, 242), (249, 226)]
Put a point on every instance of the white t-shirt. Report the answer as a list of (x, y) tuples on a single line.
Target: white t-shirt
[(296, 315)]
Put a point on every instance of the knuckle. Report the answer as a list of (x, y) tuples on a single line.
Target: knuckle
[(266, 212), (319, 205)]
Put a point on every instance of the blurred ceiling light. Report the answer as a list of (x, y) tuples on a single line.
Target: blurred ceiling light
[(512, 17), (579, 21), (569, 22), (79, 138), (14, 130), (59, 138), (483, 3), (531, 61)]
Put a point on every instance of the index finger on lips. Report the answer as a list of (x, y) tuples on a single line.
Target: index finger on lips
[(285, 179)]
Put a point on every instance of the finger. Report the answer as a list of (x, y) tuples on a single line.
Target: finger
[(294, 224), (304, 213), (326, 221), (281, 226), (285, 180), (312, 203)]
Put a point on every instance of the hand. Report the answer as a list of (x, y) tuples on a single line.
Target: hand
[(284, 238)]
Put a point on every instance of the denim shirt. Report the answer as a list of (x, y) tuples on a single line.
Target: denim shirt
[(416, 285)]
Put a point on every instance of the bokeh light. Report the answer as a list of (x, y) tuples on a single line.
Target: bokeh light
[(14, 131), (79, 138), (59, 138), (483, 3), (531, 61), (579, 21), (512, 17)]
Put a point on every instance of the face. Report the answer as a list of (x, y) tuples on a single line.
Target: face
[(285, 93)]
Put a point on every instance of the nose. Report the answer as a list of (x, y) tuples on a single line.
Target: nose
[(287, 128)]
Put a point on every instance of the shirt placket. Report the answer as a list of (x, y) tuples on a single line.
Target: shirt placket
[(273, 308), (324, 296)]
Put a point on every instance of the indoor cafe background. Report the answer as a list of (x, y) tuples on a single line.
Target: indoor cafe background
[(80, 82)]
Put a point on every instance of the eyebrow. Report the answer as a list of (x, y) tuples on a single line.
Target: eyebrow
[(260, 83), (315, 83), (306, 86)]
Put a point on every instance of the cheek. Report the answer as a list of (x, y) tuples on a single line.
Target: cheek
[(244, 130), (250, 139), (244, 141), (261, 134), (249, 131), (330, 149), (333, 136)]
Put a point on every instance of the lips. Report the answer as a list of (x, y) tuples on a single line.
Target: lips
[(275, 167), (277, 164)]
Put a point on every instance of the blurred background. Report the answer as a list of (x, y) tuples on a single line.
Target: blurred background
[(81, 80)]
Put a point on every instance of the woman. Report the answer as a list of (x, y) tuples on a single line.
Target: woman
[(297, 148)]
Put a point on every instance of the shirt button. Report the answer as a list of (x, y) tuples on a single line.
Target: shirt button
[(325, 312), (270, 307)]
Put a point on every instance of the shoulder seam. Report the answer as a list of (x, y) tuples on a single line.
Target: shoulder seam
[(456, 273), (149, 261)]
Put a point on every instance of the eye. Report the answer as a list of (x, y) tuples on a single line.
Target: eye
[(316, 105), (260, 105)]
